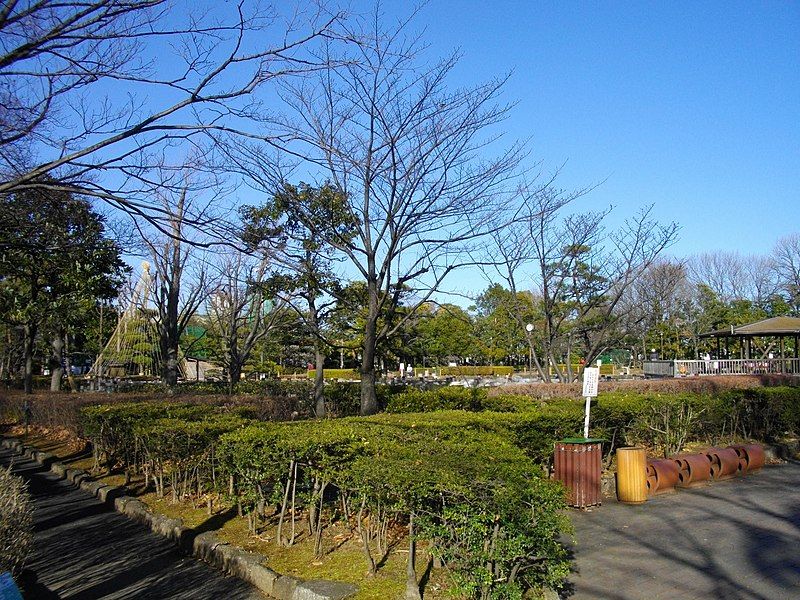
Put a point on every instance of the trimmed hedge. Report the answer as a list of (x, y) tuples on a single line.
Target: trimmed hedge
[(660, 421), (348, 374), (466, 371), (605, 368), (458, 467), (456, 476), (456, 398), (696, 385)]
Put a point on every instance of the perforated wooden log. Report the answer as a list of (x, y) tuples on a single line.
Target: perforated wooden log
[(695, 469)]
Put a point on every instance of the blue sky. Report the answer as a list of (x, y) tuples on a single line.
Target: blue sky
[(693, 107)]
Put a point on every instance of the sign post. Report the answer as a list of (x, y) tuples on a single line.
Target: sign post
[(591, 376)]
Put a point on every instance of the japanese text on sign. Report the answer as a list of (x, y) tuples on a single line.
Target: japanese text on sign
[(590, 377)]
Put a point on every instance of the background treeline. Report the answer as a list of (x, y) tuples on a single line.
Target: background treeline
[(666, 309), (258, 272)]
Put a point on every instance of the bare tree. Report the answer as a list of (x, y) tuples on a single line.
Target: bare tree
[(787, 266), (662, 296), (514, 246), (581, 271), (407, 154), (725, 273), (762, 279), (241, 310), (98, 93), (179, 284)]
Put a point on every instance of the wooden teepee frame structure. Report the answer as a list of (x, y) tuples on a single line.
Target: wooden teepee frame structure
[(133, 349)]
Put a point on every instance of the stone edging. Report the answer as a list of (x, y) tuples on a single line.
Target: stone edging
[(205, 546)]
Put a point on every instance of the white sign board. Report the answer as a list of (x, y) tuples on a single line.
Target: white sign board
[(591, 376)]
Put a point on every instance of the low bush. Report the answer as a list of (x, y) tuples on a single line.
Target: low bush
[(668, 421), (182, 450), (347, 374), (662, 421), (453, 477), (441, 398), (112, 428), (757, 413), (16, 522), (466, 371), (605, 369), (695, 385)]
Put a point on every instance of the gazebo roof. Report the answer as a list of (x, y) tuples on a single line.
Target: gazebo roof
[(776, 326)]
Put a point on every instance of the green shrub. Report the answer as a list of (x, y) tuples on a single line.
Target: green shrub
[(16, 522), (457, 398), (466, 371), (112, 427), (343, 398), (441, 398), (509, 403), (182, 450), (456, 473), (348, 374), (668, 422), (534, 431), (758, 413)]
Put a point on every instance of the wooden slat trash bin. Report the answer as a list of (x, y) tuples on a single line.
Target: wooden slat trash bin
[(631, 475), (577, 465)]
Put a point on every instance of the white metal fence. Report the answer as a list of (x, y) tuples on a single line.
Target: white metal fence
[(749, 366)]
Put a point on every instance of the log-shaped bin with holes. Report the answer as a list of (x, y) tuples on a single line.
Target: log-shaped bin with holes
[(662, 475), (751, 456), (725, 462), (694, 470)]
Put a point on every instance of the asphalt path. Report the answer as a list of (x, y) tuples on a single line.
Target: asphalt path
[(85, 550), (731, 540)]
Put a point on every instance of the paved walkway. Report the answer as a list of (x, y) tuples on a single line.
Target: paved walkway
[(85, 551), (731, 540)]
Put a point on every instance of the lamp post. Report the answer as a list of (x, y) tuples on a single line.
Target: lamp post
[(529, 329)]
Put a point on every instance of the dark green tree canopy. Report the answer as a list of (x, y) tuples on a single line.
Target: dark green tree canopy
[(55, 264)]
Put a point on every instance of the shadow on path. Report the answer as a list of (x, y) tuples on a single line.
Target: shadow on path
[(84, 550), (735, 539)]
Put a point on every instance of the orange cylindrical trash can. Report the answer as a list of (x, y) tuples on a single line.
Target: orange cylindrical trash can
[(631, 475)]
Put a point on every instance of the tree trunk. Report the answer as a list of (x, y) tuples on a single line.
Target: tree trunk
[(535, 358), (57, 362), (312, 507), (234, 375), (171, 366), (73, 385), (319, 357), (27, 353), (319, 380), (412, 587), (369, 399)]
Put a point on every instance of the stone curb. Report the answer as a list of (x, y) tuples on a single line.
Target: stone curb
[(204, 546)]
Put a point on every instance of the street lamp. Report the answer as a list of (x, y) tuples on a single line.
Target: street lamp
[(529, 329)]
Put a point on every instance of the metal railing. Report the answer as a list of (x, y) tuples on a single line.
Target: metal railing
[(659, 368), (748, 366)]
